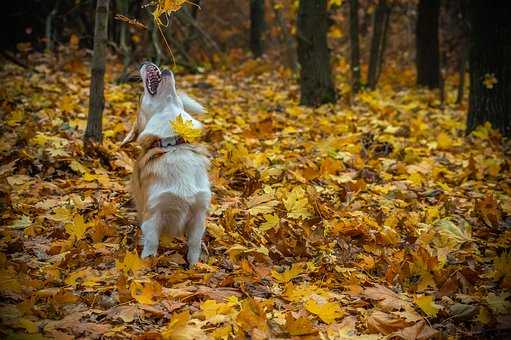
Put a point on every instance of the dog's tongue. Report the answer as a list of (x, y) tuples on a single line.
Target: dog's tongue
[(153, 78)]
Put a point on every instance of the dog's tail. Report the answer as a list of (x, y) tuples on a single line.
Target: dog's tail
[(190, 104)]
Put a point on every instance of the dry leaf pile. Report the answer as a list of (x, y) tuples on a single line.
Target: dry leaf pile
[(342, 222)]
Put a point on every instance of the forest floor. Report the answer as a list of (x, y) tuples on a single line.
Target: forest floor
[(350, 221)]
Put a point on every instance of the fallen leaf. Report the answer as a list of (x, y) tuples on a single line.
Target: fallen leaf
[(328, 312), (300, 326), (386, 299), (427, 305)]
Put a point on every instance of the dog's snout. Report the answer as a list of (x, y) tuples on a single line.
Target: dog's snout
[(145, 63)]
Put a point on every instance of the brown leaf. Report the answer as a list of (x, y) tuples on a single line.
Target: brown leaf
[(72, 324), (385, 323), (386, 299), (252, 319), (418, 331)]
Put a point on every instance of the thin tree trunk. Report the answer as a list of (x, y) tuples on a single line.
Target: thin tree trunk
[(285, 37), (354, 45), (383, 44), (195, 9), (49, 26), (490, 53), (316, 84), (256, 27), (441, 82), (379, 22), (461, 74), (428, 54), (94, 130), (123, 7), (201, 32)]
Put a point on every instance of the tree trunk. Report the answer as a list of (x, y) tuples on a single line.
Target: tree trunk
[(354, 45), (123, 8), (489, 59), (461, 74), (49, 26), (383, 44), (316, 84), (380, 25), (285, 37), (256, 27), (428, 54), (93, 132)]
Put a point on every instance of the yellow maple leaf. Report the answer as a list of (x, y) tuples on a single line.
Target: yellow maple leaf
[(211, 309), (286, 276), (303, 292), (490, 80), (297, 204), (327, 312), (185, 129), (300, 326), (337, 3), (181, 327), (15, 118), (29, 326), (502, 271), (444, 141), (131, 262), (484, 316), (78, 228), (271, 221), (60, 214), (145, 292), (427, 305)]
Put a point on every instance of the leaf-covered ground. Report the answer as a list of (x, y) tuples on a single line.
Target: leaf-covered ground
[(350, 221)]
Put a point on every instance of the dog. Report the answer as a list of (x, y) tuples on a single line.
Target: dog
[(170, 183)]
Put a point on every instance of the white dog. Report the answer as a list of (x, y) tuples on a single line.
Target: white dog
[(170, 178)]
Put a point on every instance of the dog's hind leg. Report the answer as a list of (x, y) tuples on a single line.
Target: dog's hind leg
[(151, 230), (196, 227), (195, 231)]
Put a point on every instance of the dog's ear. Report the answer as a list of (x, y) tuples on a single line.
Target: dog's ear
[(131, 136)]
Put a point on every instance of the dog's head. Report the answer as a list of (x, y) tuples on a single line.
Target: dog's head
[(159, 100), (159, 90)]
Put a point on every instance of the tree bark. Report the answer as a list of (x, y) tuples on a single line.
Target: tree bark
[(285, 37), (380, 25), (256, 27), (123, 8), (383, 44), (94, 130), (316, 84), (428, 53), (49, 26), (461, 74), (489, 56), (354, 45)]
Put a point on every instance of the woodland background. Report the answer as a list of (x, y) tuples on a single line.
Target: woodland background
[(344, 210)]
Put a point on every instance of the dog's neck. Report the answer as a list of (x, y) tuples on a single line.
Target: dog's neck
[(159, 123)]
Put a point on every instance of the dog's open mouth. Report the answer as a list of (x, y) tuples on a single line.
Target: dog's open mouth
[(152, 79)]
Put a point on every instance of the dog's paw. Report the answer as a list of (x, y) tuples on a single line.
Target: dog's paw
[(192, 257), (148, 251)]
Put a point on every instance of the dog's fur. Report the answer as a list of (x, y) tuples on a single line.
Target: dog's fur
[(170, 184)]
